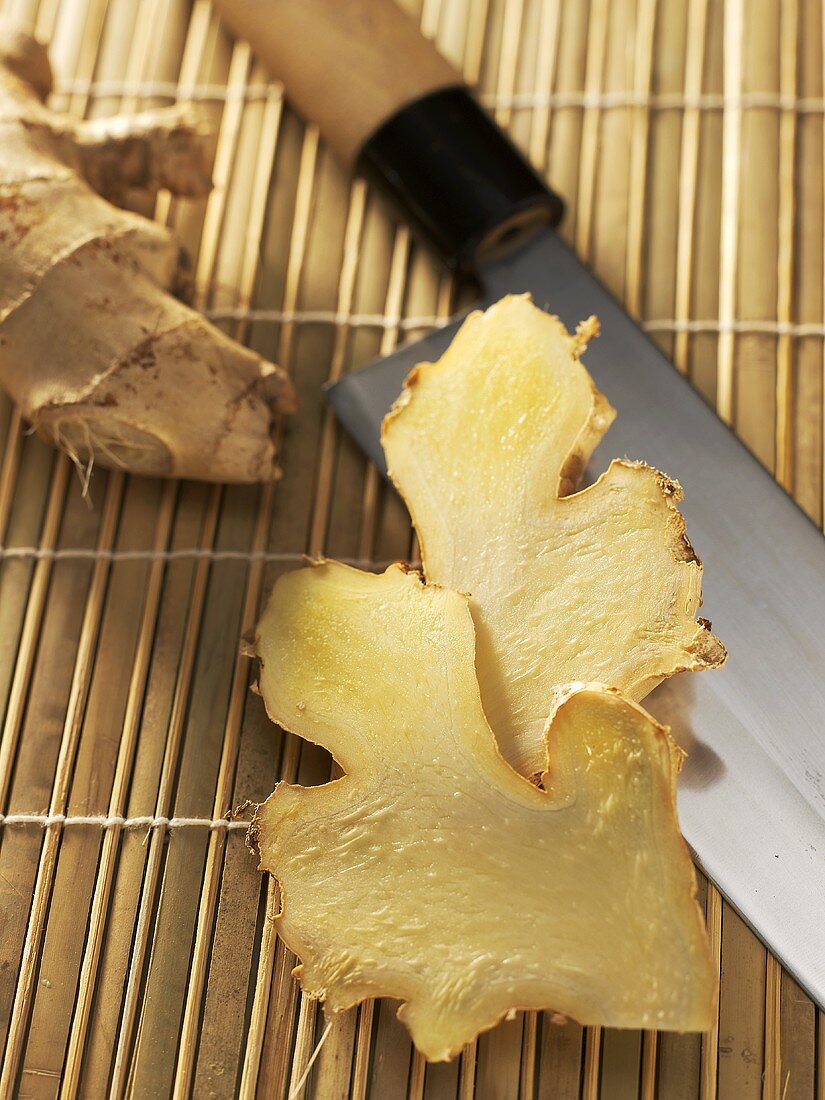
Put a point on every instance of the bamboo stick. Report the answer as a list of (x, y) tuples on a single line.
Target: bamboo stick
[(112, 977), (441, 1080), (619, 1072), (163, 806), (588, 151), (31, 729), (797, 1042), (688, 173), (609, 244), (709, 1067), (807, 422), (772, 1074), (74, 30), (741, 1011), (28, 473), (763, 224), (266, 975), (8, 469), (564, 154), (639, 141), (93, 775), (786, 252), (201, 33), (731, 170), (218, 841), (679, 1057), (664, 173), (560, 1059), (44, 15), (31, 630), (547, 49), (822, 417), (591, 1063), (529, 1052), (38, 914), (22, 12), (175, 892), (117, 802), (703, 349)]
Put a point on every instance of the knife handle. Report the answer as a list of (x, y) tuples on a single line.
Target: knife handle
[(392, 107)]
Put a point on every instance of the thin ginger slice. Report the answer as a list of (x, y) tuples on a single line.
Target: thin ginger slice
[(484, 446), (434, 874)]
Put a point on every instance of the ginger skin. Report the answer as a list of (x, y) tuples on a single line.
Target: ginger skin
[(101, 358)]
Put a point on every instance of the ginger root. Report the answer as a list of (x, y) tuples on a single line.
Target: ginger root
[(431, 872), (100, 357), (486, 447)]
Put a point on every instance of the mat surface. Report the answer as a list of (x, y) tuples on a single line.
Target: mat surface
[(137, 953)]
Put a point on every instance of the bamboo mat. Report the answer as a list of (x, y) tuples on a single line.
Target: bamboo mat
[(137, 953)]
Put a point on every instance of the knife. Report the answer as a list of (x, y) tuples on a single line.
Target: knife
[(752, 795)]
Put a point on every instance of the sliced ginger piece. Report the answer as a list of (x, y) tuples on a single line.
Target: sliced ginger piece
[(434, 874), (484, 446)]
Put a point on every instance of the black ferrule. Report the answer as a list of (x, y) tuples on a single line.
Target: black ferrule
[(455, 175)]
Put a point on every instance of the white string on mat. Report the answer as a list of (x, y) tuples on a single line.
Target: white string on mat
[(327, 317), (165, 89), (659, 324), (769, 328), (117, 821), (84, 553), (605, 100), (658, 100), (75, 553)]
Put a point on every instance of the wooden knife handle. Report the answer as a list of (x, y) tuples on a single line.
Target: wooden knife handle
[(391, 106), (346, 64)]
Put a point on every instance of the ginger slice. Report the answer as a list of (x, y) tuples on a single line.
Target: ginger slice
[(101, 358), (484, 446), (434, 874)]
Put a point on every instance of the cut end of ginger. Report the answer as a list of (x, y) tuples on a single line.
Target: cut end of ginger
[(487, 447), (434, 874)]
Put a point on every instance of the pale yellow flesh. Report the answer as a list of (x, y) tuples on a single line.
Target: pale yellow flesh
[(433, 873), (602, 585)]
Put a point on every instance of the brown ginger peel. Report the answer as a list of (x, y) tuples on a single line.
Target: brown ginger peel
[(434, 874), (487, 447), (100, 357)]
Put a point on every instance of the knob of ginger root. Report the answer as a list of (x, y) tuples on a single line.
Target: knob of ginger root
[(100, 356)]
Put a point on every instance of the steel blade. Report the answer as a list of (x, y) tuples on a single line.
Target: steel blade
[(361, 400), (752, 794)]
